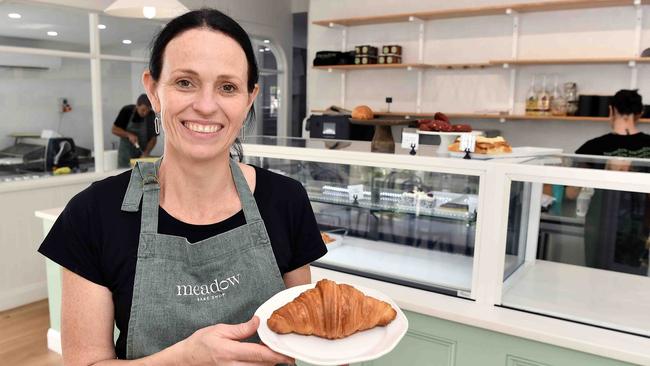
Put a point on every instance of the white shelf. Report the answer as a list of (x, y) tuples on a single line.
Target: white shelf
[(592, 296), (531, 7), (406, 263)]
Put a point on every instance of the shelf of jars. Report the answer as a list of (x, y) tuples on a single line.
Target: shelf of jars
[(479, 11), (454, 66), (493, 63)]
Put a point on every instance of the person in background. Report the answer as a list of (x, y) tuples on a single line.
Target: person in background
[(135, 127), (617, 225), (625, 140)]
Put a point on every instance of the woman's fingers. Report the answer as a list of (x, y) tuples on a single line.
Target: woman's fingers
[(238, 331), (253, 352)]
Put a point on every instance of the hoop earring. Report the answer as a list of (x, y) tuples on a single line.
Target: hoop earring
[(156, 124)]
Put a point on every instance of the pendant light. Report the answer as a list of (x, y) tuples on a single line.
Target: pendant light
[(150, 9)]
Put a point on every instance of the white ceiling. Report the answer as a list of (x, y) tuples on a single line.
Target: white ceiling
[(71, 24)]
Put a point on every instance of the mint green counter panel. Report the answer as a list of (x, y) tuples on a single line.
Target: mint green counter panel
[(53, 271), (436, 342)]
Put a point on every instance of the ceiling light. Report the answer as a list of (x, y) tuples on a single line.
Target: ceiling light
[(126, 41), (149, 11), (267, 49), (164, 9), (14, 15), (261, 50), (52, 33), (101, 26), (267, 41)]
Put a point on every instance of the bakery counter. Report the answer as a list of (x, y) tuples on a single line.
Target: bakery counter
[(483, 276)]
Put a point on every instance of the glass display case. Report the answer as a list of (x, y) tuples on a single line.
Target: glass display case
[(582, 243), (413, 227), (551, 247)]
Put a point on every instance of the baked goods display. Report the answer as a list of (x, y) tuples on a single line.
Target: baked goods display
[(485, 145), (362, 112), (326, 238), (441, 123), (331, 311)]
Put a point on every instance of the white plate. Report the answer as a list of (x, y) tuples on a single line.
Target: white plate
[(362, 346), (517, 152)]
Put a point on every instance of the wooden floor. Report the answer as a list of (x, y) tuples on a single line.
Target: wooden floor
[(23, 337)]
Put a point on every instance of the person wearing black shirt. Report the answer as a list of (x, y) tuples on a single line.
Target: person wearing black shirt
[(625, 140), (179, 254), (136, 128), (617, 225)]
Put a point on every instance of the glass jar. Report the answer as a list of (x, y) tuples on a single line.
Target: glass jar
[(571, 97)]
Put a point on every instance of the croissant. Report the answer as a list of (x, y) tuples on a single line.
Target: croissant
[(331, 311)]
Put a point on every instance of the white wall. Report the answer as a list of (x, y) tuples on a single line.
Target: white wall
[(577, 33), (30, 101)]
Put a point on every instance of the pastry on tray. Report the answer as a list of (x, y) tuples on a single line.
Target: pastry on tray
[(326, 238), (331, 311), (485, 145), (362, 112)]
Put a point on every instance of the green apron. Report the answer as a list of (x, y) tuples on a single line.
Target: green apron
[(126, 151), (181, 287)]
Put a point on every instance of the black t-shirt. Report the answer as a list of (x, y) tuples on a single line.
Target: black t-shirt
[(632, 146), (95, 239), (123, 117), (624, 213)]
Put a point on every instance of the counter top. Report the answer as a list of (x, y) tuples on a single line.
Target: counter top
[(589, 339), (50, 214), (55, 180)]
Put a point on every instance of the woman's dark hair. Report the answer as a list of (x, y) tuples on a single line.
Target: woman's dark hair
[(217, 21), (143, 100), (627, 102)]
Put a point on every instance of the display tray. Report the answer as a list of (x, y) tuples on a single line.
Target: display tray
[(404, 263), (606, 299), (338, 240), (382, 121), (421, 210), (517, 152)]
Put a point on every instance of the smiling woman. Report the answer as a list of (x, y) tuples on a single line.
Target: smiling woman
[(206, 91), (202, 240)]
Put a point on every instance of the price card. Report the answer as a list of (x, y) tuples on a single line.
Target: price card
[(410, 137), (467, 142), (355, 190)]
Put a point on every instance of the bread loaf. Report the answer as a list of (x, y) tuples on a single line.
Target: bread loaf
[(362, 112)]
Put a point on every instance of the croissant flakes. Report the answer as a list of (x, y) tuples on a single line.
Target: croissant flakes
[(331, 311)]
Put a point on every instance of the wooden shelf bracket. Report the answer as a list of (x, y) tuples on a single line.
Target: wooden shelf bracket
[(638, 35), (514, 54)]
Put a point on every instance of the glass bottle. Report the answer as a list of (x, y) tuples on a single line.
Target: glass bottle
[(544, 100), (558, 101), (571, 96), (531, 98)]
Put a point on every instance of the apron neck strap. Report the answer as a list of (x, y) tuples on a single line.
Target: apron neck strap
[(144, 186), (248, 204)]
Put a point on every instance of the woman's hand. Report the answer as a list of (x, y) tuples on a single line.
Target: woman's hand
[(220, 345)]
